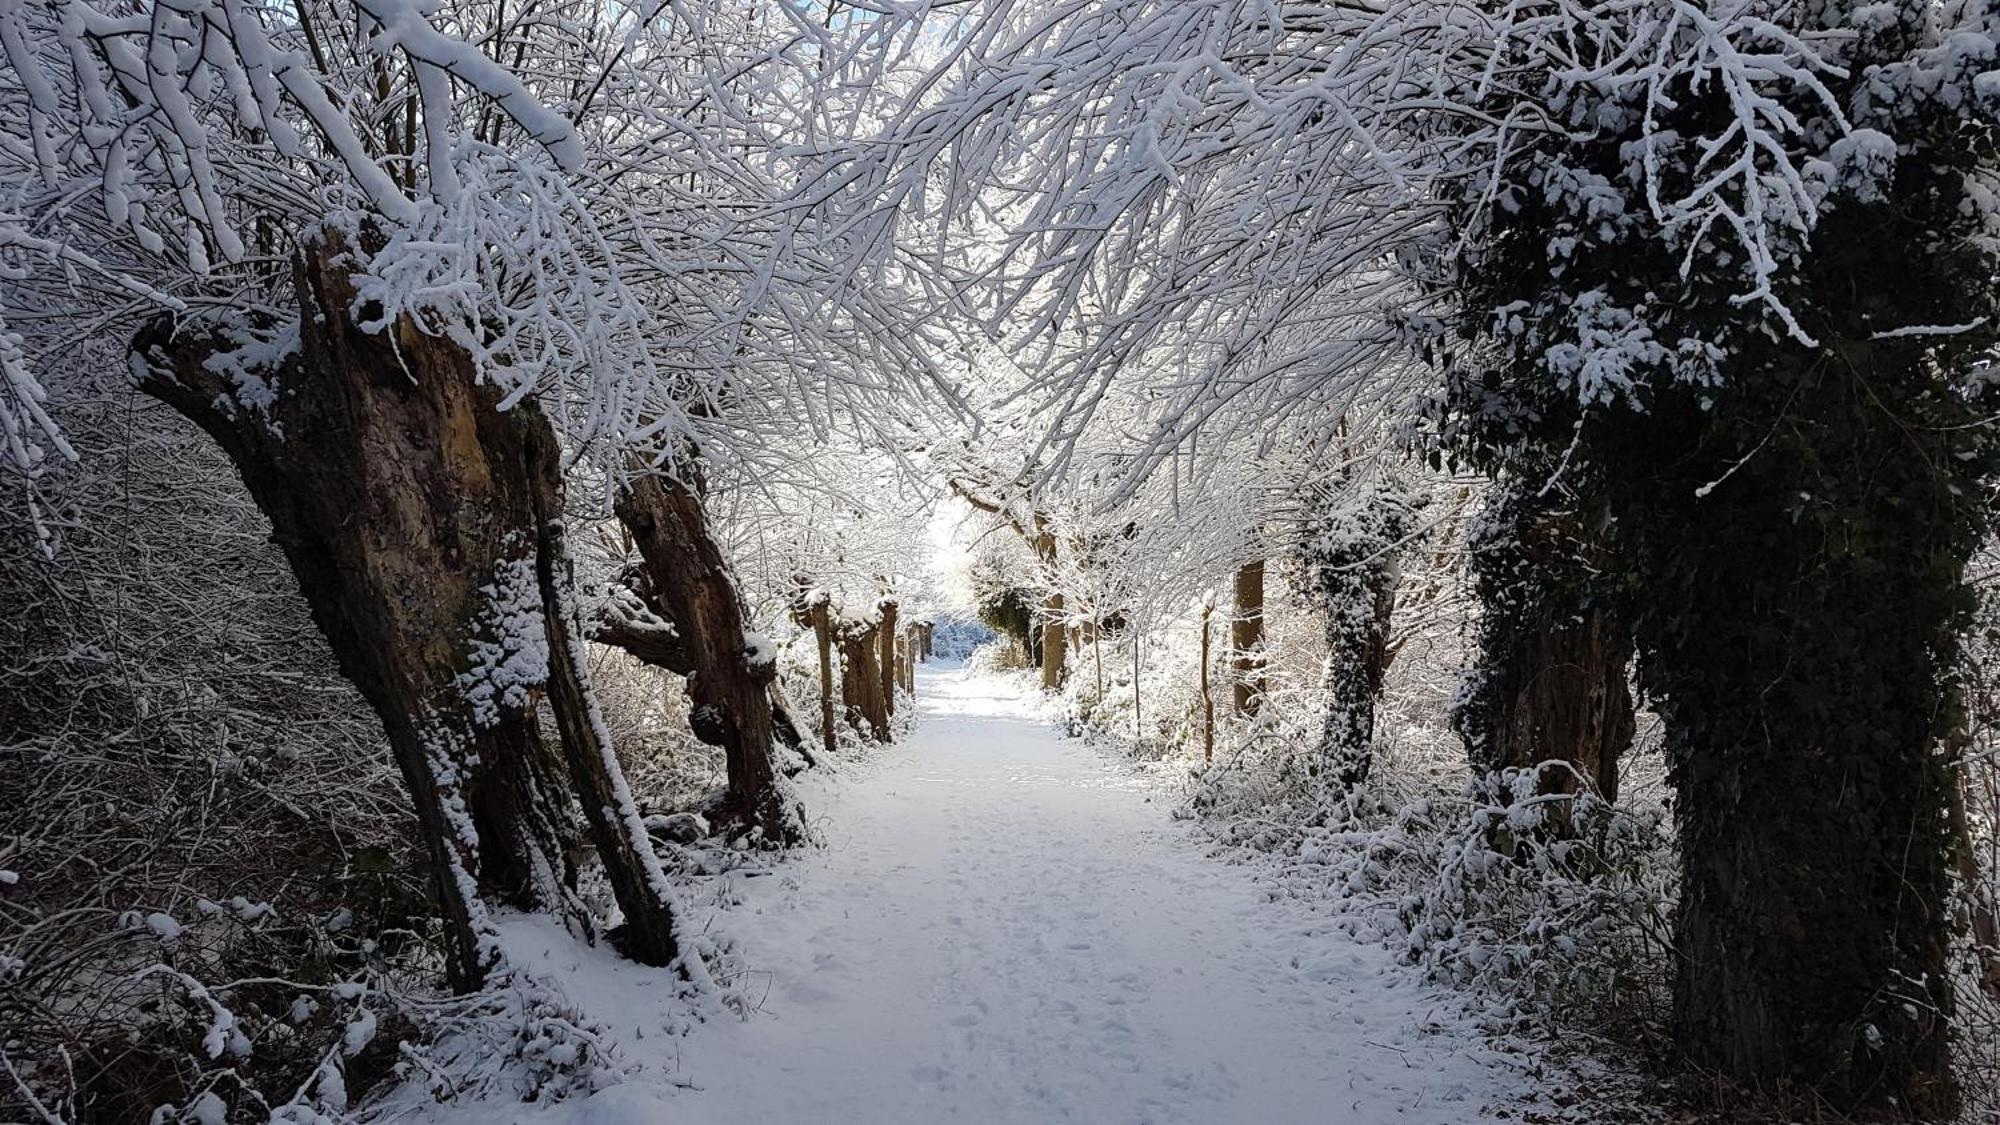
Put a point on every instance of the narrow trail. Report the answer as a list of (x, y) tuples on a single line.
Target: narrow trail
[(1005, 926)]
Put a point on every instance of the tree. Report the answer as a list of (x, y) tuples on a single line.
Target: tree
[(729, 682), (1750, 363), (1349, 557), (1246, 636), (1549, 681), (1035, 528), (453, 615), (864, 686)]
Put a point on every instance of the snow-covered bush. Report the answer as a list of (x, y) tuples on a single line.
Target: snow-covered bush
[(1550, 897), (997, 655), (199, 815), (1549, 907)]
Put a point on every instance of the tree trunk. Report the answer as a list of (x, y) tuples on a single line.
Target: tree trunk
[(1799, 632), (631, 617), (861, 680), (886, 635), (823, 640), (1349, 562), (623, 846), (1246, 637), (1052, 642), (729, 689), (419, 519), (1549, 683)]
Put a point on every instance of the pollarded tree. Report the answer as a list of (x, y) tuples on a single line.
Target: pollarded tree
[(1739, 308), (425, 526), (423, 520)]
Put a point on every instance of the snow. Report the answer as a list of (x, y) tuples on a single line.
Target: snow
[(164, 925), (1007, 926)]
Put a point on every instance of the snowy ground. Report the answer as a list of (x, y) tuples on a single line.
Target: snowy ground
[(1006, 926)]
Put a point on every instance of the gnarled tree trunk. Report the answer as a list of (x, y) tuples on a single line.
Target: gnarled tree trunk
[(861, 684), (1246, 637), (729, 684), (422, 523), (631, 617)]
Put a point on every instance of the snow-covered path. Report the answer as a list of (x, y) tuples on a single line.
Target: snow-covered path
[(1007, 926)]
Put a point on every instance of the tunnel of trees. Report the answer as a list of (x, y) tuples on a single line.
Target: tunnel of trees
[(468, 461)]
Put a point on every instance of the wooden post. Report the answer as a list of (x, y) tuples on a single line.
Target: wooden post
[(1207, 700), (1138, 731)]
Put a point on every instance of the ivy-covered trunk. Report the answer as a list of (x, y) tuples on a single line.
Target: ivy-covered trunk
[(1548, 686), (1246, 638), (1349, 563), (423, 524), (1787, 427), (1798, 634)]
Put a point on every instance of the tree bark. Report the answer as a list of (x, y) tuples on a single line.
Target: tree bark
[(861, 680), (729, 687), (823, 640), (1550, 681), (1246, 637), (886, 636), (419, 519)]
